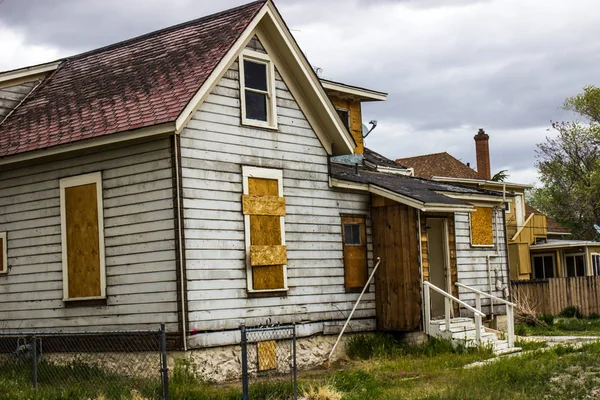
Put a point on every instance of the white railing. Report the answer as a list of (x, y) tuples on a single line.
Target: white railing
[(448, 299), (510, 310)]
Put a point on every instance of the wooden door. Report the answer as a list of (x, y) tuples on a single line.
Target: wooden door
[(437, 247)]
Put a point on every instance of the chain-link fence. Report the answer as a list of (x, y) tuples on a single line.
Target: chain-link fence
[(269, 354), (90, 365)]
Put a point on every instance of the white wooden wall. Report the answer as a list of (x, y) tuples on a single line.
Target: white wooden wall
[(11, 96), (472, 261), (214, 148), (139, 240)]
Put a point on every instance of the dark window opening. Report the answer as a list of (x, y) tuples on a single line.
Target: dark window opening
[(575, 265), (256, 106), (255, 75), (256, 91), (543, 267), (596, 264), (352, 234), (345, 117)]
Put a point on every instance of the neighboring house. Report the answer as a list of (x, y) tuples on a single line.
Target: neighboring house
[(537, 245), (186, 176)]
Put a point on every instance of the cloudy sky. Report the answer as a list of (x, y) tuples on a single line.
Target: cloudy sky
[(449, 66)]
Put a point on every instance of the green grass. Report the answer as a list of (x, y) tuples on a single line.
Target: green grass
[(380, 368), (562, 327)]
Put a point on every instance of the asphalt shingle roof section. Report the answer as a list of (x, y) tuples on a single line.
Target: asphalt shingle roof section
[(438, 164), (376, 158), (418, 189), (134, 84)]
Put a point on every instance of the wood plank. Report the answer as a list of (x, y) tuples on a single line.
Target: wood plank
[(83, 246), (267, 355), (355, 256), (263, 205), (268, 255)]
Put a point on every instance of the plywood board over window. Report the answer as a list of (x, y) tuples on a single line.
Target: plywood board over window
[(3, 254), (82, 227), (263, 206), (355, 252), (482, 227)]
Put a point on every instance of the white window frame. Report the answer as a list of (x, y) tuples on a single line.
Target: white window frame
[(94, 177), (554, 268), (585, 266), (4, 254), (263, 173), (261, 58), (592, 255), (508, 207)]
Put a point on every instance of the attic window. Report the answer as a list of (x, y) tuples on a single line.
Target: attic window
[(344, 116), (257, 83)]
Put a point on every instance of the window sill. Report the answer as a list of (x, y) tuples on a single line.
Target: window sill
[(268, 293), (259, 124), (85, 302), (483, 246)]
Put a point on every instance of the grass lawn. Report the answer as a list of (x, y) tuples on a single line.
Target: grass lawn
[(561, 327), (379, 368)]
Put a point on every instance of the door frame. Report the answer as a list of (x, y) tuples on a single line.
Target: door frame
[(445, 249)]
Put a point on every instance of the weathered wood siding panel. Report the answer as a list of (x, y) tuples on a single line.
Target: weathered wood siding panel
[(139, 242), (11, 96), (472, 269), (214, 148)]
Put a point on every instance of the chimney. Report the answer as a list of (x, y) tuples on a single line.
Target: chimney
[(482, 151)]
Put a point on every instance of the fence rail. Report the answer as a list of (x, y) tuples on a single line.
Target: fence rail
[(84, 364), (551, 296)]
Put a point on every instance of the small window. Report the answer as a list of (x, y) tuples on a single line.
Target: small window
[(575, 264), (257, 84), (482, 227), (3, 254), (595, 263), (344, 116), (507, 209), (543, 266), (82, 226), (355, 252), (263, 206)]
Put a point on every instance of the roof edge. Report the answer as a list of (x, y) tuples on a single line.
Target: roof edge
[(27, 74), (362, 93), (482, 181)]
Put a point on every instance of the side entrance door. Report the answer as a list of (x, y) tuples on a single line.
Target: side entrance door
[(439, 260)]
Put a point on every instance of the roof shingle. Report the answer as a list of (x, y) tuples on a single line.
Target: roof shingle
[(137, 83), (438, 164)]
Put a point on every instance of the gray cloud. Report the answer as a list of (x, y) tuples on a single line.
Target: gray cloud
[(450, 67)]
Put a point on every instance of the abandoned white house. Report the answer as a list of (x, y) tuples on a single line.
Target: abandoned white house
[(201, 176)]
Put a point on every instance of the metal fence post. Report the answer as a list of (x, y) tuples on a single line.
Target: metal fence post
[(163, 359), (244, 343), (294, 361), (34, 358)]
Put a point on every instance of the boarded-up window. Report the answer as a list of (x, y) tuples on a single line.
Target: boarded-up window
[(482, 227), (82, 237), (263, 206), (3, 252), (355, 252)]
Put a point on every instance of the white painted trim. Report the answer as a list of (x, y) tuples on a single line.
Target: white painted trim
[(219, 70), (474, 197), (264, 173), (397, 171), (27, 71), (482, 182), (556, 245), (554, 266), (255, 56), (425, 207), (363, 94), (155, 130), (94, 177), (4, 254)]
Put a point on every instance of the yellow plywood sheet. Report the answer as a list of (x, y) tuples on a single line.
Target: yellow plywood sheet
[(268, 277), (268, 255), (263, 187), (263, 205), (267, 355), (482, 231), (83, 247)]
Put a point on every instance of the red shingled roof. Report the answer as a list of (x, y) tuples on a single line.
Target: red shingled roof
[(551, 224), (129, 85), (438, 164)]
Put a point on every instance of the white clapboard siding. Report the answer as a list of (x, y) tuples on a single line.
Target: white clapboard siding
[(471, 261), (139, 242), (214, 147), (11, 96)]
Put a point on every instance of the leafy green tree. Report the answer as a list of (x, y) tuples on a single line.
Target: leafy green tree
[(569, 167), (500, 176)]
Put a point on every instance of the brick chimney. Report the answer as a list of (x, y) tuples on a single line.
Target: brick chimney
[(482, 151)]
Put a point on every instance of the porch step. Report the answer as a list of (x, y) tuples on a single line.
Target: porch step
[(463, 332)]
